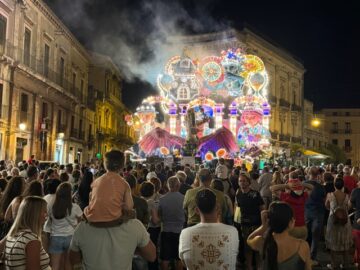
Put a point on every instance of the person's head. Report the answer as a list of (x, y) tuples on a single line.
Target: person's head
[(340, 168), (69, 168), (64, 177), (50, 186), (32, 173), (314, 172), (76, 175), (182, 176), (217, 184), (328, 177), (173, 184), (221, 161), (131, 179), (14, 188), (63, 201), (15, 172), (3, 184), (280, 219), (266, 169), (4, 173), (147, 189), (51, 173), (206, 202), (205, 176), (347, 170), (276, 179), (31, 215), (157, 183), (339, 183), (244, 181), (33, 189)]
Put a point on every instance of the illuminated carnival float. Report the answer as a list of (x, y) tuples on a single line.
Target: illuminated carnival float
[(213, 107)]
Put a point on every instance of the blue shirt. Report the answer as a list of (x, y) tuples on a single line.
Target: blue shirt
[(315, 204)]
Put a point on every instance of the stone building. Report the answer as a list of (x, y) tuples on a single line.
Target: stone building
[(343, 126), (286, 74), (43, 86), (316, 135), (105, 85)]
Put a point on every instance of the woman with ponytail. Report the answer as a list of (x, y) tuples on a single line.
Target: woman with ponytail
[(280, 251)]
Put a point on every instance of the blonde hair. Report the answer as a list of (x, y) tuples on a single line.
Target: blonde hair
[(276, 178), (28, 216)]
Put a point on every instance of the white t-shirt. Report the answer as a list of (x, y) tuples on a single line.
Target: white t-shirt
[(209, 246), (65, 226), (49, 198), (221, 171)]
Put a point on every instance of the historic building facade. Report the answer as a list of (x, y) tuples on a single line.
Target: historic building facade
[(105, 92), (343, 126), (316, 135), (286, 91), (43, 85)]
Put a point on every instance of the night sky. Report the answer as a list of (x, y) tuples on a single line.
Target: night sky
[(325, 37)]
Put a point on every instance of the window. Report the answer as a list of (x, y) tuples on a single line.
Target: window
[(61, 71), (59, 121), (334, 113), (82, 86), (24, 103), (347, 143), (335, 141), (74, 81), (294, 98), (347, 113), (80, 128), (347, 127), (44, 110), (46, 60), (307, 141), (72, 123), (90, 131), (27, 45), (335, 126), (2, 33), (183, 93), (107, 86)]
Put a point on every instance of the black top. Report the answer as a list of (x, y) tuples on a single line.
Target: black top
[(249, 204)]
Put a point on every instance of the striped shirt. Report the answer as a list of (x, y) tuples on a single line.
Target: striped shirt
[(15, 254)]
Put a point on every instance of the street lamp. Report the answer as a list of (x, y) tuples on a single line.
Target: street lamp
[(22, 126), (315, 122)]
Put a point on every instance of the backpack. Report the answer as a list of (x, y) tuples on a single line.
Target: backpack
[(340, 214)]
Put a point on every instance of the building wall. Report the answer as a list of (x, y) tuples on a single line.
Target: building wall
[(314, 137), (105, 84), (32, 73), (343, 126)]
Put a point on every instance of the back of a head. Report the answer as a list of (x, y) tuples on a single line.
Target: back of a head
[(114, 160), (266, 169), (206, 201), (50, 186), (173, 182), (131, 180), (279, 216), (32, 171), (157, 183), (3, 184), (182, 176), (347, 170), (293, 175), (314, 172), (204, 175), (339, 183), (147, 189), (34, 189), (328, 177), (217, 184)]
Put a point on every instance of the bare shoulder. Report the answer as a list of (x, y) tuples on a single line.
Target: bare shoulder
[(304, 249)]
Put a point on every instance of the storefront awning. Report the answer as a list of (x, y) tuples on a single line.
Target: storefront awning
[(314, 155)]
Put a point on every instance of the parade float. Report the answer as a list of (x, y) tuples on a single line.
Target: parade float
[(212, 107)]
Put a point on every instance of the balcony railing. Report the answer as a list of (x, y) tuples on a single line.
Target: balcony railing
[(347, 149), (74, 133), (296, 108), (274, 135), (284, 103), (296, 140), (37, 65), (334, 131), (61, 128), (82, 135), (284, 138), (341, 131)]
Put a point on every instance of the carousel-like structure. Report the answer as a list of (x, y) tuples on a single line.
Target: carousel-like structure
[(213, 107)]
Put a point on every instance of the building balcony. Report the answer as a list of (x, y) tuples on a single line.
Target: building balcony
[(284, 138), (347, 149), (347, 131), (82, 135), (296, 140), (274, 135), (296, 108), (341, 131), (284, 103), (334, 131), (61, 128), (38, 65), (74, 133), (272, 100)]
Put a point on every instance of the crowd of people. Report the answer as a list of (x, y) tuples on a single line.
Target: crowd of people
[(105, 215)]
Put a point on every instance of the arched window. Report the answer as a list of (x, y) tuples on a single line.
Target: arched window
[(183, 92)]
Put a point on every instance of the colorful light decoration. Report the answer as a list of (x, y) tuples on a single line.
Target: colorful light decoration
[(164, 151), (209, 156), (205, 86), (221, 153)]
